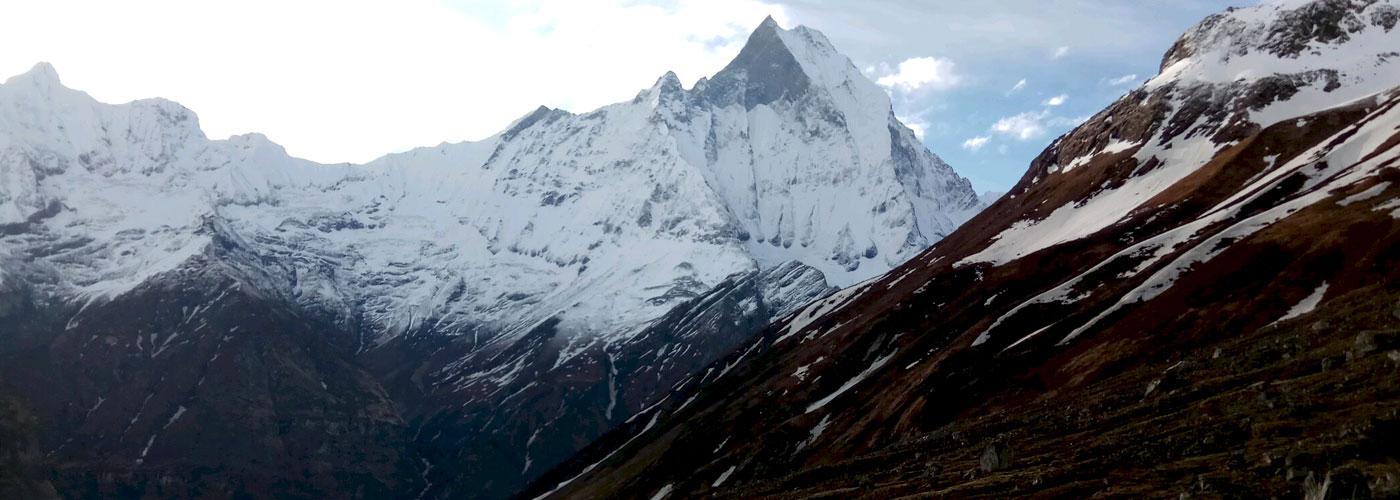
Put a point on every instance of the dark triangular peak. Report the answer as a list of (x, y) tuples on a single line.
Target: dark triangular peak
[(541, 114), (764, 71), (668, 82), (668, 85)]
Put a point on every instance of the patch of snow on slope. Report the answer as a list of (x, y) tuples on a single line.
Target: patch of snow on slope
[(1393, 206), (1116, 146), (1073, 220), (820, 308), (1366, 194), (801, 372), (870, 370), (815, 433), (1307, 304), (723, 477), (651, 423), (1339, 163), (664, 492)]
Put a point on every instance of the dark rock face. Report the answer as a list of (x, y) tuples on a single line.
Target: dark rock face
[(690, 337), (906, 161), (198, 385), (23, 471), (764, 71), (51, 209), (542, 114), (559, 396)]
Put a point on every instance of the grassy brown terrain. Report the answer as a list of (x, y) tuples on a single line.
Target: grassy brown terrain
[(1253, 415)]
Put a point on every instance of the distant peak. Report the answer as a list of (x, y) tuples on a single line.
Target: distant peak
[(774, 64), (541, 114), (766, 30), (44, 70), (666, 87), (669, 83), (764, 48), (667, 80), (42, 73), (254, 140), (1305, 37), (250, 138), (769, 23)]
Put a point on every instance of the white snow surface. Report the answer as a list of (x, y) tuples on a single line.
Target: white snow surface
[(852, 382), (815, 433), (1307, 304), (819, 309), (662, 493), (724, 476), (1243, 45), (605, 219)]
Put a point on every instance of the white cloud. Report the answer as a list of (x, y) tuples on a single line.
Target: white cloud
[(1123, 80), (1060, 51), (1034, 124), (1017, 87), (1024, 126), (349, 81), (1069, 121), (1057, 100), (922, 73), (974, 144), (916, 124)]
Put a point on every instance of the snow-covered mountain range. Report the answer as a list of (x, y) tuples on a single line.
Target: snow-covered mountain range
[(604, 219), (1191, 294), (468, 277)]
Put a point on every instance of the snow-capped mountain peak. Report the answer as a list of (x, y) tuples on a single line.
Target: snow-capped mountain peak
[(776, 63), (1243, 199), (41, 76), (583, 262), (605, 218), (1231, 75), (1345, 48)]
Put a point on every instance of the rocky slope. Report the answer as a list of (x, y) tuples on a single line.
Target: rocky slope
[(1193, 293), (21, 466), (447, 321)]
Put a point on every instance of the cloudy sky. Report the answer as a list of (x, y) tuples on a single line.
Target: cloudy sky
[(987, 83)]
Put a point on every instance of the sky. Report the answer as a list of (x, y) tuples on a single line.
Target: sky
[(987, 85)]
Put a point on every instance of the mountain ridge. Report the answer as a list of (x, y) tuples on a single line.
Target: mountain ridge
[(496, 304), (1192, 293)]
